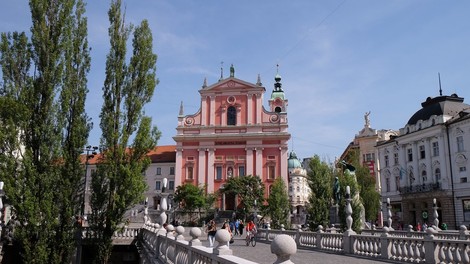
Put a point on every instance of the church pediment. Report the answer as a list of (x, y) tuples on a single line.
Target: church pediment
[(231, 84)]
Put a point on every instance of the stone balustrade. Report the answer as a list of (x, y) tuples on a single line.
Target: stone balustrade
[(432, 246), (171, 247)]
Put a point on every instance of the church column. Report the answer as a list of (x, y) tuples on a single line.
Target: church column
[(239, 119), (259, 108), (283, 161), (201, 175), (212, 110), (179, 165), (259, 162), (249, 161), (210, 171), (249, 103), (203, 110)]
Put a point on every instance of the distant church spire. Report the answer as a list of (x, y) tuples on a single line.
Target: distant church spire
[(440, 89), (181, 109), (258, 81), (204, 85), (277, 78)]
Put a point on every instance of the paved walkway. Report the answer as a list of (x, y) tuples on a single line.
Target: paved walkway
[(262, 254)]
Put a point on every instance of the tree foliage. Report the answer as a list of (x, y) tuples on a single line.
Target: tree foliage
[(320, 181), (248, 189), (118, 183), (191, 198), (278, 207), (44, 126)]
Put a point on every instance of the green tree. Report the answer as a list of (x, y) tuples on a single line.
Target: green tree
[(191, 198), (278, 207), (118, 183), (249, 189), (42, 138), (320, 181)]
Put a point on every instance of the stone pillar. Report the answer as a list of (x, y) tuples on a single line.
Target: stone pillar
[(178, 166), (259, 110), (222, 237), (283, 246), (204, 110)]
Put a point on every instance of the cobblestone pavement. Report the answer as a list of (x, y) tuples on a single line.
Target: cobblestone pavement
[(262, 254)]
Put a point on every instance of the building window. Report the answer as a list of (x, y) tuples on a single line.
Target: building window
[(271, 172), (368, 157), (172, 170), (466, 209), (460, 147), (462, 169), (159, 171), (410, 155), (397, 182), (231, 116), (387, 184), (424, 176), (435, 149), (463, 180), (189, 174), (386, 161), (395, 158), (241, 170), (171, 185), (158, 185), (218, 173), (422, 153), (437, 174)]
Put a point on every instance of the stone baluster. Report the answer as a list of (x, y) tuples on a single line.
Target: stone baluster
[(195, 233), (389, 214), (435, 214), (319, 235), (283, 246), (463, 233), (222, 237), (349, 211)]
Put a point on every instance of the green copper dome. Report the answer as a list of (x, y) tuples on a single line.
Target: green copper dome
[(293, 162)]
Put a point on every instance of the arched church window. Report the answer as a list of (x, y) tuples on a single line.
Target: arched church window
[(231, 116)]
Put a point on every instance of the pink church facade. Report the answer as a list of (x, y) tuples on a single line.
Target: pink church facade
[(233, 135)]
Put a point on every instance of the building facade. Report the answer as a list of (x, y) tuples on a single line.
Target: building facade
[(428, 160), (365, 143), (233, 135), (298, 191)]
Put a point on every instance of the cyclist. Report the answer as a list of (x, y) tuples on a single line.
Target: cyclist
[(250, 230)]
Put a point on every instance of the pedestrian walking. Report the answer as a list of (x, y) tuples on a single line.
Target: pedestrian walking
[(211, 230)]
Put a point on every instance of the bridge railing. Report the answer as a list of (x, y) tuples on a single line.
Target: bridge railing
[(432, 246), (158, 245)]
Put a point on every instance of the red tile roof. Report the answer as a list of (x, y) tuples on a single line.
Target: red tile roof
[(157, 155)]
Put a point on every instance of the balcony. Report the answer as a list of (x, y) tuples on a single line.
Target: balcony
[(421, 188)]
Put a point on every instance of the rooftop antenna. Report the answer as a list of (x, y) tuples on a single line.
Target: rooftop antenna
[(440, 89)]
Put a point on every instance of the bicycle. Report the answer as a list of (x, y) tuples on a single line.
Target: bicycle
[(250, 238)]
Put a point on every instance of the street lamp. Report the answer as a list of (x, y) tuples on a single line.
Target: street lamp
[(90, 153)]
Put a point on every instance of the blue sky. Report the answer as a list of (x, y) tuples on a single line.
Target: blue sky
[(338, 59)]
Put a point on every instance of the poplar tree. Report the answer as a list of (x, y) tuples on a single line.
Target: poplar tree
[(44, 126), (118, 183), (278, 204), (320, 181)]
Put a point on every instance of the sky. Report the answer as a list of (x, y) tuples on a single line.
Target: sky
[(338, 58)]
